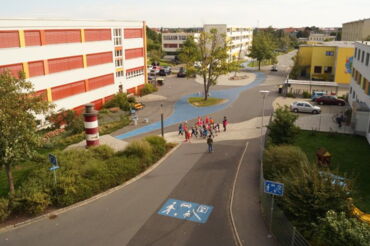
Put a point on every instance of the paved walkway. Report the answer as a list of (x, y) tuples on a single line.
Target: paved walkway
[(183, 111)]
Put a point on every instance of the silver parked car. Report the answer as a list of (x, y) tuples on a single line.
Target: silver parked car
[(304, 107)]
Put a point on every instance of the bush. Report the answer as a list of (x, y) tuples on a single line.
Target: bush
[(148, 88), (158, 145), (309, 195), (140, 149), (69, 118), (278, 160), (102, 152), (4, 209), (337, 229), (282, 128), (306, 94), (119, 100), (31, 198)]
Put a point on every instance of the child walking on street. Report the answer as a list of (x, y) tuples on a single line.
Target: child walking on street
[(210, 143)]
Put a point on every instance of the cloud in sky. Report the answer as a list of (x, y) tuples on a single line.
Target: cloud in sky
[(278, 13)]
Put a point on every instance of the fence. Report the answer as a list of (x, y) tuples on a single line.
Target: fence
[(285, 233)]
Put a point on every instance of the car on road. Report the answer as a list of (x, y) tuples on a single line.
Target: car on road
[(181, 73), (274, 68), (317, 94), (330, 100), (164, 71), (304, 107)]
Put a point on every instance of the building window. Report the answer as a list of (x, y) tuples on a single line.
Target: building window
[(182, 37), (169, 37), (317, 69), (117, 32), (117, 41), (119, 63), (118, 53), (363, 56), (170, 46), (358, 54), (367, 59), (328, 70), (329, 53), (355, 52), (119, 74)]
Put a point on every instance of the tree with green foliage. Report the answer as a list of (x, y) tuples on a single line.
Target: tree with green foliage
[(18, 109), (282, 128), (337, 229), (263, 47), (208, 58), (309, 194)]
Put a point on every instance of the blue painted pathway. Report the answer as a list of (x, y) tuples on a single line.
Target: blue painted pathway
[(184, 111)]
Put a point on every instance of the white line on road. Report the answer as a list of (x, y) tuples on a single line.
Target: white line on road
[(235, 231)]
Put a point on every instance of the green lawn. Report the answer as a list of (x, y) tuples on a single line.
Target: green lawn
[(350, 156), (199, 101)]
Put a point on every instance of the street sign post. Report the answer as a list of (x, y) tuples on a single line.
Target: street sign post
[(54, 162), (275, 189)]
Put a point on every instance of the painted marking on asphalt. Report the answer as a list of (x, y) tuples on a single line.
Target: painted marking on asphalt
[(186, 210)]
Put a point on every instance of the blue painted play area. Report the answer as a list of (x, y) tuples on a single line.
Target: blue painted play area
[(184, 111)]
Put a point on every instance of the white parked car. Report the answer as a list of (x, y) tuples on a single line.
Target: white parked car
[(304, 107)]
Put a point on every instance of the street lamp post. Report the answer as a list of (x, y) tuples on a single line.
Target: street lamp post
[(264, 94), (162, 130)]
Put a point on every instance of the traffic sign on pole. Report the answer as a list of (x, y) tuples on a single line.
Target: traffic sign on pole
[(53, 160), (274, 188)]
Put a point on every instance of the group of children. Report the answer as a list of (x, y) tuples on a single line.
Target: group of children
[(203, 129)]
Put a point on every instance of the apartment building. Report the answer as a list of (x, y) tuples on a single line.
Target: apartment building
[(359, 96), (240, 38), (172, 42), (330, 61), (75, 62), (320, 37), (356, 30)]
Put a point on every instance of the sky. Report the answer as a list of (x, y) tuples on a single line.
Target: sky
[(195, 13)]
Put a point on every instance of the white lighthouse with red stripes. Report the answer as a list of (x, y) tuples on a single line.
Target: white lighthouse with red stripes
[(91, 125)]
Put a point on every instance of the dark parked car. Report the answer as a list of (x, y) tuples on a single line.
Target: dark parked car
[(162, 72), (330, 100), (181, 73)]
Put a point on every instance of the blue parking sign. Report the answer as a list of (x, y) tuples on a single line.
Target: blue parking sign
[(186, 210), (53, 160), (274, 188)]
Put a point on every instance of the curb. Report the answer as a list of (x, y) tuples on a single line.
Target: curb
[(91, 199)]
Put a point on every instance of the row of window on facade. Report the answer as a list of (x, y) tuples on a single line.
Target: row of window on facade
[(173, 46), (318, 69), (130, 74), (238, 29), (362, 57), (361, 81), (241, 37), (175, 37)]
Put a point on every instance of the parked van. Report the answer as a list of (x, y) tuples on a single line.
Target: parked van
[(317, 94)]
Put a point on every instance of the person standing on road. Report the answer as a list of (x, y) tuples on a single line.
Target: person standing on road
[(210, 143), (224, 123), (180, 129)]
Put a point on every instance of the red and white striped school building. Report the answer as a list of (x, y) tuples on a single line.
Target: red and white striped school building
[(75, 62)]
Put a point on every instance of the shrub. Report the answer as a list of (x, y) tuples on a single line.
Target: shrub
[(131, 99), (158, 145), (102, 152), (73, 122), (282, 128), (278, 160), (32, 197), (306, 94), (337, 229), (309, 195), (119, 100), (141, 150), (148, 88), (4, 209)]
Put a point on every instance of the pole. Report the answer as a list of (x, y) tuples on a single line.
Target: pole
[(162, 128), (55, 177), (293, 237), (263, 114), (271, 213)]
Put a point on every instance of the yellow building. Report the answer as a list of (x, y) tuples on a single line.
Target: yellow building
[(331, 61)]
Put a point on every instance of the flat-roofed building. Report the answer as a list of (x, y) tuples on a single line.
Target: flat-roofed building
[(240, 38), (356, 30), (359, 96), (75, 62), (172, 42)]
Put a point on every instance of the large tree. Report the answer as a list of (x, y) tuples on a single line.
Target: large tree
[(208, 57), (18, 106), (263, 47)]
